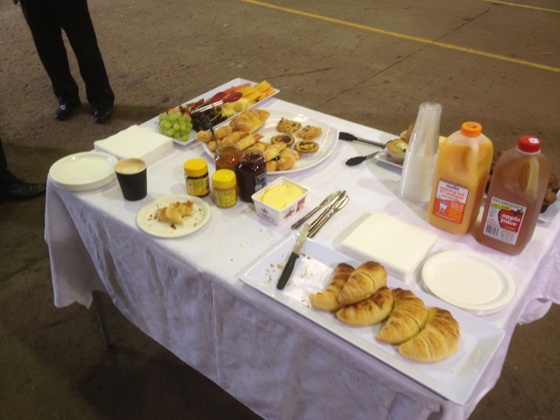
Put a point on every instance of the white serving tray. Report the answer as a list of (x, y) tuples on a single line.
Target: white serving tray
[(454, 378)]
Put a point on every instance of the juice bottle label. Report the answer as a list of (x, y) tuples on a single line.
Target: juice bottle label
[(504, 220), (450, 201)]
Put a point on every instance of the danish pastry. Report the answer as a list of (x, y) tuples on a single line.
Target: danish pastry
[(288, 126), (306, 146), (283, 138), (309, 132)]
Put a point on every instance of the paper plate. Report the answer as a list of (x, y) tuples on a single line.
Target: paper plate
[(148, 223), (468, 280), (83, 171)]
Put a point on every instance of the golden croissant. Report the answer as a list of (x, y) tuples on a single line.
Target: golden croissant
[(326, 300), (370, 311), (439, 338), (364, 282), (407, 319), (174, 212), (249, 120)]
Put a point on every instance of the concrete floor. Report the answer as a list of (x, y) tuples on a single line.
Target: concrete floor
[(369, 62)]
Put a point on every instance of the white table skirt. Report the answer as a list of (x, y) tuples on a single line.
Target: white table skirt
[(186, 294)]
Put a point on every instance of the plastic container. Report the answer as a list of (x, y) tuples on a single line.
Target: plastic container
[(421, 153), (196, 177), (282, 206), (224, 188), (460, 177), (514, 200), (251, 174)]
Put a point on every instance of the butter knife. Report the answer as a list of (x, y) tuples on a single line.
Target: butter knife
[(327, 210), (322, 220), (289, 266), (330, 199)]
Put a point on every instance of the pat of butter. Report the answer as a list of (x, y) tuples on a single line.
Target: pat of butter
[(280, 196)]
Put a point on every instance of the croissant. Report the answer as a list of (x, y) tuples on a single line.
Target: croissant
[(370, 311), (363, 283), (408, 317), (326, 300), (234, 136), (249, 120), (439, 338), (174, 212), (287, 159), (248, 141), (273, 150)]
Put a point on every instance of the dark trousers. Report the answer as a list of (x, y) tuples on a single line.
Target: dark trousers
[(3, 162), (47, 19)]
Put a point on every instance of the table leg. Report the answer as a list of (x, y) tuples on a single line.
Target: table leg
[(101, 318)]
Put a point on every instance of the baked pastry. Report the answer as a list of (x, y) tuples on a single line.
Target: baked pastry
[(549, 199), (326, 300), (174, 212), (204, 136), (407, 319), (248, 141), (234, 137), (283, 138), (288, 126), (370, 311), (366, 279), (222, 131), (306, 146), (439, 339), (273, 151), (287, 159), (249, 120), (395, 150), (309, 132)]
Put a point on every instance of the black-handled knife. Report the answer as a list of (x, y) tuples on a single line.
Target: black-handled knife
[(290, 264)]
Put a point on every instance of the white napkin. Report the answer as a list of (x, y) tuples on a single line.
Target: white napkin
[(399, 246), (136, 142)]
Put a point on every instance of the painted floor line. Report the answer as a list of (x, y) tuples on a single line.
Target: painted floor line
[(525, 6), (408, 37)]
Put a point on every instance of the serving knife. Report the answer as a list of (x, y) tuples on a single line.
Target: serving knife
[(289, 266), (329, 200), (318, 224)]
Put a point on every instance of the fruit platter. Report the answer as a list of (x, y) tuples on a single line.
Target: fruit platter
[(212, 108)]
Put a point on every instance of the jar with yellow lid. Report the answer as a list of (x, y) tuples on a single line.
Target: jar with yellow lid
[(224, 188), (196, 177)]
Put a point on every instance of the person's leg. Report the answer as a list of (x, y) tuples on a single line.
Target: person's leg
[(47, 34), (76, 22)]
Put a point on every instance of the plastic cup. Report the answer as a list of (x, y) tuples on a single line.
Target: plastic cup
[(132, 177)]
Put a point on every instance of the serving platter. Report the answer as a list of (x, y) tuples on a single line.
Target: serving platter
[(327, 140), (153, 124), (83, 171), (147, 222), (454, 378)]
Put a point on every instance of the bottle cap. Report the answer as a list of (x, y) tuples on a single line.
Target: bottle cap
[(224, 178), (195, 167), (529, 144), (471, 129)]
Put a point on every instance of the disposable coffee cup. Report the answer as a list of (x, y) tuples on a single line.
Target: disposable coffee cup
[(132, 176)]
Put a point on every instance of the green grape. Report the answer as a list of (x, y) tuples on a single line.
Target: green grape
[(184, 137), (170, 132), (167, 125), (177, 135), (176, 127)]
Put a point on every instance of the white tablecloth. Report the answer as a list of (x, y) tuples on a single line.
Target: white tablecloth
[(186, 294)]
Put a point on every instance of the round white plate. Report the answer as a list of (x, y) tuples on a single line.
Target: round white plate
[(327, 141), (83, 171), (148, 223), (468, 280)]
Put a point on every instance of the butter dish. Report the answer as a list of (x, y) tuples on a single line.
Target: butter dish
[(135, 142), (398, 245)]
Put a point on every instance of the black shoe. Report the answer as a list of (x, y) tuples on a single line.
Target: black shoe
[(103, 115), (20, 190), (65, 111)]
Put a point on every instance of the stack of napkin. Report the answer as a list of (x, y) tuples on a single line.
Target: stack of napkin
[(136, 142), (398, 246)]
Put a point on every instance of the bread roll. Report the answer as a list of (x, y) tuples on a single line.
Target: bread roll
[(364, 281), (249, 120), (407, 319), (326, 300), (370, 311), (439, 339)]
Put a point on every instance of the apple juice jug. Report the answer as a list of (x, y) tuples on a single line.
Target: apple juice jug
[(460, 177), (514, 200)]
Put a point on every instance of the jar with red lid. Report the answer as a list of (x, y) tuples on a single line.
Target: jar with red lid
[(251, 174)]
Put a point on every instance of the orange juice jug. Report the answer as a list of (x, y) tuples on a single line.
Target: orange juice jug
[(460, 177), (514, 200)]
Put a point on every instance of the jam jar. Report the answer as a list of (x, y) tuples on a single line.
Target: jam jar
[(251, 174)]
